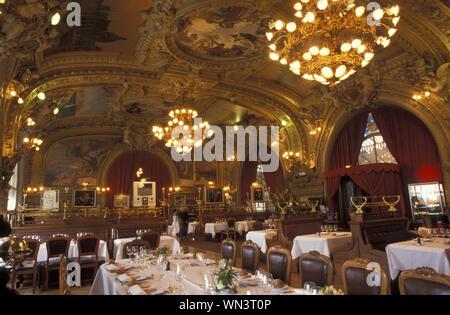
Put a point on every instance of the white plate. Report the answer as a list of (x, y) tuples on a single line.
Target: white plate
[(281, 289)]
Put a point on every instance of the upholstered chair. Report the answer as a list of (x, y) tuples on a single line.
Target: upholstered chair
[(279, 263), (152, 238), (423, 281), (228, 250), (29, 266), (317, 268), (355, 274), (56, 246), (88, 252), (250, 256), (231, 230)]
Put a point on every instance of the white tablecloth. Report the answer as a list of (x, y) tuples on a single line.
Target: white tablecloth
[(243, 226), (213, 228), (408, 255), (73, 251), (259, 238), (324, 244), (106, 283), (165, 240), (192, 226)]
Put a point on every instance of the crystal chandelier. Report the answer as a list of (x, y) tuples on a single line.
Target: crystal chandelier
[(329, 40), (183, 117)]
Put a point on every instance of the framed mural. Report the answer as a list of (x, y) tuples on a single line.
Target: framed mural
[(144, 194), (50, 200), (179, 200), (257, 194), (122, 201), (213, 195), (85, 198)]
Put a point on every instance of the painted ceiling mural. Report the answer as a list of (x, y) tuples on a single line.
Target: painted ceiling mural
[(74, 160), (225, 32)]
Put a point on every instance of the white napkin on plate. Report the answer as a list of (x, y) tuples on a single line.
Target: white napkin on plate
[(111, 267), (136, 290), (123, 278)]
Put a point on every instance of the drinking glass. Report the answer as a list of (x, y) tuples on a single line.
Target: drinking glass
[(129, 252), (135, 252), (309, 286), (179, 275), (268, 281), (316, 290)]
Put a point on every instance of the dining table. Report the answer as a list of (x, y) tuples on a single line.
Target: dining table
[(325, 243), (433, 253), (259, 238), (244, 226), (165, 240), (103, 254), (192, 226), (124, 277), (215, 227)]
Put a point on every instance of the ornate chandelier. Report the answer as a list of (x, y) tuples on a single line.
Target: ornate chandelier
[(183, 117), (329, 40)]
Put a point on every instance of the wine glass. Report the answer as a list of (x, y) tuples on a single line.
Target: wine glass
[(308, 286), (268, 281), (179, 274), (129, 252)]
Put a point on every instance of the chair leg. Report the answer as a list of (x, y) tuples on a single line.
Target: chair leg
[(13, 280), (46, 279), (34, 280)]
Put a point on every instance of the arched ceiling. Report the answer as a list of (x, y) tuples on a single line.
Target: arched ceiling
[(136, 58)]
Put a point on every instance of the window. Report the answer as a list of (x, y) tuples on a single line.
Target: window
[(373, 148)]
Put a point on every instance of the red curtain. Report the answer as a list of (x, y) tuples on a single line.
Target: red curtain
[(248, 177), (347, 146), (122, 173), (376, 179), (411, 144), (275, 180)]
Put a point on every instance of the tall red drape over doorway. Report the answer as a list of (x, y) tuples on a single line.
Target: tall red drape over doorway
[(407, 138), (248, 177), (122, 173), (275, 180)]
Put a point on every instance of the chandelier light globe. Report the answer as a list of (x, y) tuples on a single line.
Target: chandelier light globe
[(329, 40), (182, 117)]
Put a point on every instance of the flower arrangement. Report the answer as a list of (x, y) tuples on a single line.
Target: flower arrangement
[(225, 276), (330, 290), (162, 252)]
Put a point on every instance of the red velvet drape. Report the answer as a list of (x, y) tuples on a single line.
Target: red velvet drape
[(348, 144), (122, 173), (345, 152), (411, 144), (248, 177), (275, 180), (376, 179)]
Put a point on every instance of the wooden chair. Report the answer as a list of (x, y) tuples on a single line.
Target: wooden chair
[(250, 256), (56, 246), (63, 287), (228, 250), (317, 268), (88, 252), (134, 243), (423, 281), (153, 239), (279, 263), (231, 229), (29, 266), (355, 274)]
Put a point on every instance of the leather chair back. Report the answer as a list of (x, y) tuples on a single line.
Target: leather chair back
[(88, 245), (257, 226), (153, 238), (57, 246), (355, 275), (228, 250), (33, 245), (250, 256), (423, 281), (279, 263), (316, 268)]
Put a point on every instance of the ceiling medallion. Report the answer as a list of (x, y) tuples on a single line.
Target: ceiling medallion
[(329, 40)]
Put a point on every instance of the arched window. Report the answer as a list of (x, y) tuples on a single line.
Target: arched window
[(373, 148)]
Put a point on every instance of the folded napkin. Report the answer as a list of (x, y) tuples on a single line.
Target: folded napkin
[(112, 267), (248, 283), (123, 278), (136, 290)]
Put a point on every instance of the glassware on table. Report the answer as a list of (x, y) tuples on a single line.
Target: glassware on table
[(129, 252), (179, 273), (259, 275), (268, 281), (309, 286), (316, 290), (180, 251)]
